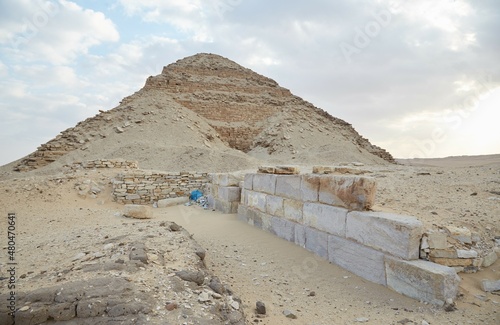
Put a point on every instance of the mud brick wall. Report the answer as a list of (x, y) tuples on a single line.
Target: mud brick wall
[(328, 215), (146, 187)]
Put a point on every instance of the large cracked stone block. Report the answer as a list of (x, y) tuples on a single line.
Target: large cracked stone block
[(391, 233), (293, 210), (326, 218), (256, 200), (288, 186), (351, 192), (309, 188), (317, 242), (283, 228), (422, 280), (358, 259), (274, 206), (265, 183)]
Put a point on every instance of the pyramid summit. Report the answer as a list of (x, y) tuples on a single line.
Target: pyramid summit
[(206, 110)]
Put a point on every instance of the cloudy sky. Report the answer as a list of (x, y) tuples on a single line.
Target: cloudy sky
[(418, 78)]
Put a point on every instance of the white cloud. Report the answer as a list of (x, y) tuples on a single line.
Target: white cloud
[(431, 61), (56, 31)]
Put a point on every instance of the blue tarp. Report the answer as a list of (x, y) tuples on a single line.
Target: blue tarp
[(195, 195)]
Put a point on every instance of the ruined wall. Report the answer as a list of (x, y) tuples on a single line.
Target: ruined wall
[(146, 187), (327, 215), (106, 163)]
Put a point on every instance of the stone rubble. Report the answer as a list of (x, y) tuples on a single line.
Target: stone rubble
[(152, 276)]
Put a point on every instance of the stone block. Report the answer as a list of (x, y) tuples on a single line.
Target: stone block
[(137, 211), (211, 201), (262, 220), (300, 235), (227, 180), (422, 280), (242, 213), (266, 170), (351, 192), (461, 234), (265, 183), (248, 182), (437, 240), (309, 188), (452, 261), (322, 169), (226, 207), (283, 228), (490, 259), (133, 197), (256, 200), (395, 234), (251, 216), (464, 253), (327, 218), (444, 253), (288, 187), (317, 242), (230, 194), (165, 203), (293, 210), (275, 206), (358, 259), (286, 170), (490, 286)]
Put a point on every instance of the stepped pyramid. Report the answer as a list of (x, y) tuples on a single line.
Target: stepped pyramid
[(211, 105)]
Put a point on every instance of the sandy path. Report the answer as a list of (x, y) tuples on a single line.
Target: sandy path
[(260, 266)]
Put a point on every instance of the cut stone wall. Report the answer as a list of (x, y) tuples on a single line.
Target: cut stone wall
[(147, 187), (327, 215), (224, 192)]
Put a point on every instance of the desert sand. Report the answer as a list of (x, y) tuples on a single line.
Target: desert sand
[(208, 114), (257, 265)]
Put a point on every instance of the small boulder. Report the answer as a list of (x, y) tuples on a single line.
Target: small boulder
[(175, 227), (490, 286), (289, 314), (217, 286), (260, 308), (192, 276), (137, 211)]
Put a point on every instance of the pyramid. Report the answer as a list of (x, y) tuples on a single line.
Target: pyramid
[(206, 111)]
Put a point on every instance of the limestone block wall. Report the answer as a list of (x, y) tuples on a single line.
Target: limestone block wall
[(225, 192), (327, 214), (146, 187)]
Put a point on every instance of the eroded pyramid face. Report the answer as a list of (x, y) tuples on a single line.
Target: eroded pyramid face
[(205, 107)]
